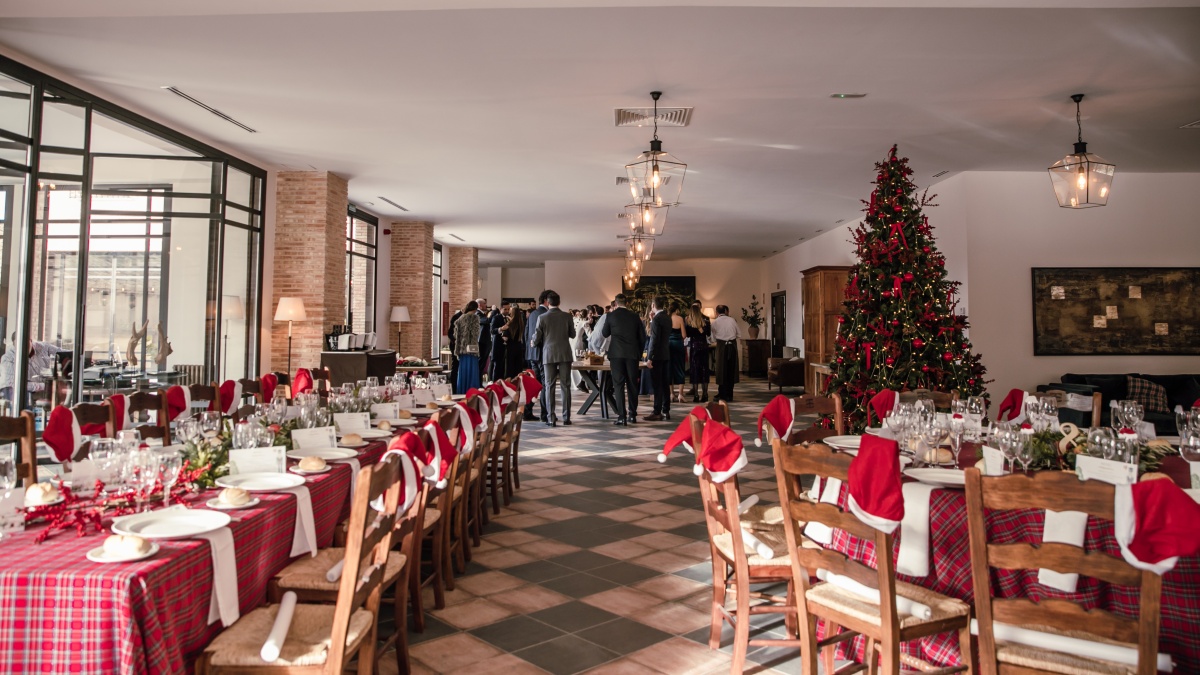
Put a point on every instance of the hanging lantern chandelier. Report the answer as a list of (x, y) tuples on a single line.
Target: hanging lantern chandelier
[(1081, 179), (655, 177), (645, 220), (639, 248)]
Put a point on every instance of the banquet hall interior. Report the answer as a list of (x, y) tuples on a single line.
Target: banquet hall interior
[(285, 385)]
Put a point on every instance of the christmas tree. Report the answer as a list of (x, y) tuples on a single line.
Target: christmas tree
[(899, 329)]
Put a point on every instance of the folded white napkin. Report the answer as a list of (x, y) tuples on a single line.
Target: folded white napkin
[(913, 559), (223, 604), (304, 535), (1079, 402), (871, 595), (1062, 527), (279, 630), (355, 467), (820, 532), (1069, 645)]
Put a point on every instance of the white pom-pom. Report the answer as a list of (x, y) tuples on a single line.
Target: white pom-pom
[(441, 484), (428, 471), (698, 469), (757, 442), (662, 459)]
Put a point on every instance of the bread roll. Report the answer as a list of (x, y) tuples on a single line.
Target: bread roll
[(126, 546), (312, 464), (447, 397), (351, 439), (384, 425), (41, 493), (432, 405), (405, 415), (234, 497)]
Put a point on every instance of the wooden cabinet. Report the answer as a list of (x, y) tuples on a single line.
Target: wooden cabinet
[(754, 357), (822, 292)]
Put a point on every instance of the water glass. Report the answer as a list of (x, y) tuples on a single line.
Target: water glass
[(129, 440), (976, 410), (1025, 451), (1049, 411), (210, 424), (170, 464), (8, 468), (145, 469)]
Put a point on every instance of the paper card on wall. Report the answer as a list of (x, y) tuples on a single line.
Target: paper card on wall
[(1110, 312), (385, 411), (1161, 329), (319, 437), (1105, 470), (1099, 321), (422, 396), (404, 401), (352, 421), (1135, 291), (254, 460), (1058, 293), (993, 462), (440, 390)]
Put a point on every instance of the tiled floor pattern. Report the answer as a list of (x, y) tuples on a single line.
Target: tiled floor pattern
[(601, 564)]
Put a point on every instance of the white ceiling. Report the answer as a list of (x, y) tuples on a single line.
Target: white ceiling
[(497, 124)]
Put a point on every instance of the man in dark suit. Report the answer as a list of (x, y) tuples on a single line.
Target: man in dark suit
[(496, 370), (485, 336), (626, 336), (660, 360), (533, 355), (553, 336)]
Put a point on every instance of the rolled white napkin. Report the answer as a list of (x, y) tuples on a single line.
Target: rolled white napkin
[(913, 558), (871, 595), (223, 604), (754, 543), (820, 532), (335, 572), (1070, 645), (1062, 527), (278, 635), (747, 503), (304, 535)]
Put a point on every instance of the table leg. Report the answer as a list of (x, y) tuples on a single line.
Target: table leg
[(589, 381)]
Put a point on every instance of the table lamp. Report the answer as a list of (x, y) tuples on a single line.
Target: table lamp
[(289, 310), (231, 308), (399, 316)]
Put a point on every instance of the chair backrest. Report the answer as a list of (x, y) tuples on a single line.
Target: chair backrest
[(484, 440), (794, 461), (207, 392), (1056, 491), (150, 402), (97, 415), (368, 540), (811, 404), (720, 502), (252, 388), (719, 411), (941, 399), (460, 471), (243, 412), (20, 430), (810, 435)]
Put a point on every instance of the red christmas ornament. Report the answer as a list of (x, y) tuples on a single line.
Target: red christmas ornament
[(895, 323), (971, 381), (908, 276), (918, 343), (839, 359), (947, 357), (897, 208), (841, 319), (925, 249), (889, 361), (925, 369)]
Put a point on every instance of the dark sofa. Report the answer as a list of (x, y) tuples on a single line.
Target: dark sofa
[(1182, 390)]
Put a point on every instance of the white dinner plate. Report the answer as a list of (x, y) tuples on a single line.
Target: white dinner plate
[(216, 504), (170, 523), (99, 555), (304, 472), (410, 422), (874, 431), (326, 454), (843, 442), (445, 404), (355, 446), (261, 482), (940, 477), (421, 411), (367, 433), (459, 397)]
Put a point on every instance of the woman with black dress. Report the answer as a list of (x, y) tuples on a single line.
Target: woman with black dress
[(698, 331), (513, 333), (678, 353)]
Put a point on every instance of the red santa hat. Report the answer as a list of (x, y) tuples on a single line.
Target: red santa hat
[(502, 393), (268, 383), (683, 435), (231, 396), (469, 421), (721, 452), (441, 454), (408, 447), (882, 403), (1155, 524), (1196, 404), (62, 434), (874, 484), (179, 402), (530, 387), (778, 416), (1012, 408), (303, 382)]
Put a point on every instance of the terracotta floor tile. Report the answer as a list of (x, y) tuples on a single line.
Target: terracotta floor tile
[(505, 664), (537, 493), (674, 618), (623, 601), (556, 514), (698, 549), (501, 558), (681, 656), (624, 515), (453, 597), (664, 561), (488, 583), (624, 666), (623, 550), (521, 521), (670, 586), (546, 548), (510, 538), (472, 614), (659, 523), (529, 599), (567, 489), (454, 651), (661, 540)]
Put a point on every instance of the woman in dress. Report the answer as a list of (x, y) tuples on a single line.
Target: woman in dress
[(698, 331), (678, 353), (513, 334), (466, 348)]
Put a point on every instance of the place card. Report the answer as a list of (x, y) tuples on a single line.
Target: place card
[(993, 461), (405, 401), (319, 437), (84, 472), (1194, 470), (1105, 470), (422, 396), (385, 411), (440, 390), (11, 517), (352, 421), (256, 460)]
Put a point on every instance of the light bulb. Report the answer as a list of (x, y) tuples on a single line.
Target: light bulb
[(639, 247), (1081, 182), (1104, 192), (647, 215), (1074, 202), (655, 178), (635, 264)]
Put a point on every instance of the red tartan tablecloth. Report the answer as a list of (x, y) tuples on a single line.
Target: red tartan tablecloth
[(60, 613), (950, 574)]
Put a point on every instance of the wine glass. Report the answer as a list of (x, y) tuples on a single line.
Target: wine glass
[(1025, 451), (101, 453), (934, 434), (1009, 440), (170, 464), (210, 424), (957, 427), (1049, 410), (144, 466), (129, 439), (976, 409), (1033, 411)]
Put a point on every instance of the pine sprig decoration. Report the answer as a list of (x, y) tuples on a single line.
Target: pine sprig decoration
[(899, 328)]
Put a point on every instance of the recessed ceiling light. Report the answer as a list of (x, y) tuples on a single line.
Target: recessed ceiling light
[(847, 95)]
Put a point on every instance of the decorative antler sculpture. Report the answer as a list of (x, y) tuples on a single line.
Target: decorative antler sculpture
[(164, 349), (131, 351)]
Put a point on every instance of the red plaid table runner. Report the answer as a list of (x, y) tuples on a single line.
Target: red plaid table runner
[(950, 574), (60, 613)]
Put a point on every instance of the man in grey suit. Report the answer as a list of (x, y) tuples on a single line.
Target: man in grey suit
[(533, 355), (555, 329)]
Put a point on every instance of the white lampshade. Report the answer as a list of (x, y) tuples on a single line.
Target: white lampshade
[(232, 307), (400, 314), (290, 309), (710, 312)]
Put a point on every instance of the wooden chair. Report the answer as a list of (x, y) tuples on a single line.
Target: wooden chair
[(734, 568), (514, 473), (326, 638), (430, 551), (252, 388), (811, 404), (143, 402), (941, 399), (98, 414), (1056, 491), (207, 392), (20, 430), (883, 627), (457, 549), (306, 576), (243, 412), (476, 517), (500, 466)]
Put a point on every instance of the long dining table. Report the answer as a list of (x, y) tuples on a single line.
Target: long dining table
[(61, 613), (950, 572)]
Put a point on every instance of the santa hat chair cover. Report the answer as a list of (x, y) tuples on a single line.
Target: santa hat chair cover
[(683, 435), (442, 454), (120, 404), (302, 384), (62, 434), (1155, 524), (231, 396), (874, 484), (883, 403), (1012, 408), (179, 402), (778, 416), (721, 452), (268, 383)]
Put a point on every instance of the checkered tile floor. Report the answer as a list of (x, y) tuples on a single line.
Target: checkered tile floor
[(601, 564)]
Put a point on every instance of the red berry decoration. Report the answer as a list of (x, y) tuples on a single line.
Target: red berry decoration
[(918, 343)]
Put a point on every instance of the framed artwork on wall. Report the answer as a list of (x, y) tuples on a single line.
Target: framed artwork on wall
[(1116, 311), (676, 289)]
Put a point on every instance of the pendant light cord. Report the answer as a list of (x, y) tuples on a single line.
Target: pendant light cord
[(1078, 120), (656, 119)]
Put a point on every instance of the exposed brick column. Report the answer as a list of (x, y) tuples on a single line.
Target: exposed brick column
[(412, 286), (464, 276), (310, 262)]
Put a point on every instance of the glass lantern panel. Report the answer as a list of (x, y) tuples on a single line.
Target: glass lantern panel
[(1082, 180), (646, 221), (656, 178)]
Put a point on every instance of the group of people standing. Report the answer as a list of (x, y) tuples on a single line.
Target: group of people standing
[(491, 343)]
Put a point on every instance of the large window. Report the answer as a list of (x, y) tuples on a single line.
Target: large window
[(362, 230), (113, 224), (437, 302)]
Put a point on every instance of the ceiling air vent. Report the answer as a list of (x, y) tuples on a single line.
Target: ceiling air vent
[(1192, 125), (393, 203), (644, 117), (940, 174), (209, 108), (457, 237)]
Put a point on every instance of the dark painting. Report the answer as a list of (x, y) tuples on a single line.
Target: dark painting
[(1116, 310), (675, 289)]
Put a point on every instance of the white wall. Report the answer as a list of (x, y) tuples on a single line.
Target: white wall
[(490, 278), (523, 282), (782, 273)]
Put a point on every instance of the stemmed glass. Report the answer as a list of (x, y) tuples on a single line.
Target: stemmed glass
[(1024, 451), (8, 480), (277, 411), (934, 434), (957, 427), (144, 466), (976, 409), (170, 464), (1049, 410), (101, 453), (1134, 413), (1033, 411), (1009, 440), (210, 424)]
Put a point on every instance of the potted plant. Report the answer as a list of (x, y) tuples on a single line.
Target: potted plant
[(753, 317)]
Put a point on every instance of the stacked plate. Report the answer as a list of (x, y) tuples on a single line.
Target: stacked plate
[(261, 482), (939, 477), (171, 523)]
